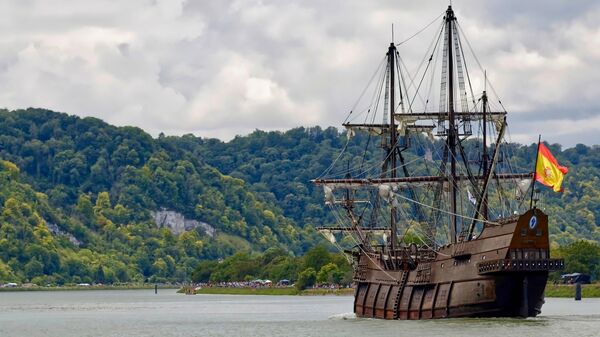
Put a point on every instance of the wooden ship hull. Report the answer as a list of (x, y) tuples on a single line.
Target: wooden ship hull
[(501, 273)]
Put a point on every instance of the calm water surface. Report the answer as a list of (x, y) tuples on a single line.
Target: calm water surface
[(142, 313)]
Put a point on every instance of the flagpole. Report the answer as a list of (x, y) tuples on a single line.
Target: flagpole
[(537, 155)]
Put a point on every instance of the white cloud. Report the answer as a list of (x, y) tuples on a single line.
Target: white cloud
[(220, 68)]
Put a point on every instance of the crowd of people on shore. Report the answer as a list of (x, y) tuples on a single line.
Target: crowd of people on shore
[(239, 284), (262, 284)]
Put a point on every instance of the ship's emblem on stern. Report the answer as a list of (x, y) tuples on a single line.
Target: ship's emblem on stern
[(533, 222)]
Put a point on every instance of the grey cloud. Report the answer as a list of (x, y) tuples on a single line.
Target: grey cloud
[(221, 68)]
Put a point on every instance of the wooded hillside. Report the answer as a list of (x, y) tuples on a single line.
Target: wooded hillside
[(77, 196)]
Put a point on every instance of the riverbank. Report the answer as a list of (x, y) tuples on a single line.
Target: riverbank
[(242, 291), (91, 287), (552, 290), (563, 290), (272, 291)]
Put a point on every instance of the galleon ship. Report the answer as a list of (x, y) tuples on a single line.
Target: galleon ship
[(436, 218)]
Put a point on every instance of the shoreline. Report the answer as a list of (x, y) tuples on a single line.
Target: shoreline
[(289, 291), (568, 290), (552, 290), (558, 291), (88, 288)]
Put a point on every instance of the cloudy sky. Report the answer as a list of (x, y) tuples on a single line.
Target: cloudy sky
[(217, 68)]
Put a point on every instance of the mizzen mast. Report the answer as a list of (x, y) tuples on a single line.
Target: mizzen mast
[(484, 154)]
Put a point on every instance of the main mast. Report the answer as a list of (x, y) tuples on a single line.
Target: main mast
[(452, 134), (393, 140)]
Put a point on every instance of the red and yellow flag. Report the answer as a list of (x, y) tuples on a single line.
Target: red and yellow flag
[(548, 171)]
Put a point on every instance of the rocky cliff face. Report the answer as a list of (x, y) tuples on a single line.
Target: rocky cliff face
[(178, 224), (53, 228)]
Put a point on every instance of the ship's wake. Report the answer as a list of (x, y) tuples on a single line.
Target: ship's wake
[(344, 316)]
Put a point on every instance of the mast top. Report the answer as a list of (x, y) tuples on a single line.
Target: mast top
[(450, 13)]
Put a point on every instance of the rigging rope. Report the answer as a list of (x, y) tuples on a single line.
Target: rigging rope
[(428, 64), (365, 89), (421, 30), (359, 245), (479, 64), (447, 212)]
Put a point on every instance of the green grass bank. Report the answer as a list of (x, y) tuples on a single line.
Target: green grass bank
[(562, 290), (272, 291), (92, 287), (552, 290)]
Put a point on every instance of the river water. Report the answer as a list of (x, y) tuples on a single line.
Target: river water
[(142, 313)]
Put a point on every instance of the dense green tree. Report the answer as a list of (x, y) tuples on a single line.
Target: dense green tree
[(306, 278), (84, 207), (100, 275), (317, 257), (33, 268), (581, 257), (329, 273), (6, 273), (204, 270)]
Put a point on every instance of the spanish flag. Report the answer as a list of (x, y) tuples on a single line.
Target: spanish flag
[(548, 171)]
